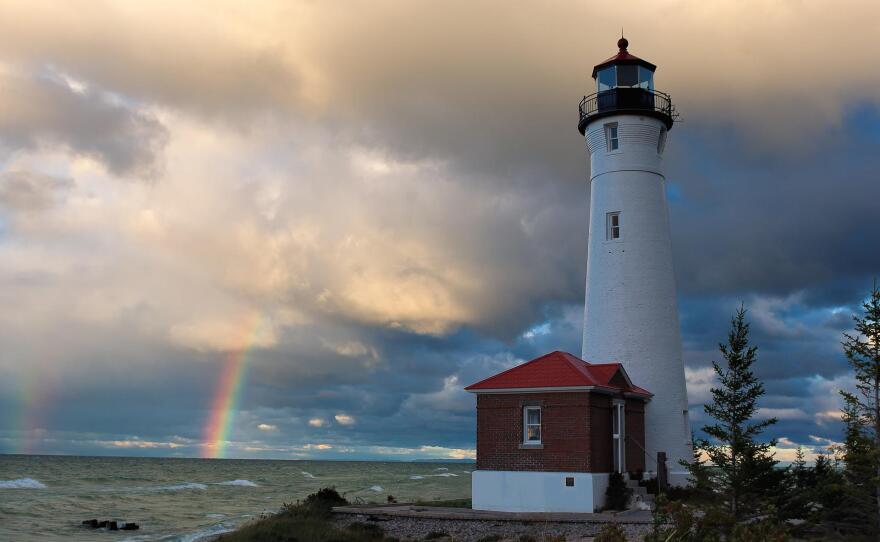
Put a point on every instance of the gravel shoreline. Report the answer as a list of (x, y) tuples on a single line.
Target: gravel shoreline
[(470, 530)]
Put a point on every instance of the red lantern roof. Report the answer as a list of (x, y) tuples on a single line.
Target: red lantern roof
[(561, 370), (623, 57)]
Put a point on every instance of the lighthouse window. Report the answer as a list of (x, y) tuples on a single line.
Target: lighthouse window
[(613, 226), (628, 76), (607, 79), (661, 143), (611, 136), (646, 78), (532, 425)]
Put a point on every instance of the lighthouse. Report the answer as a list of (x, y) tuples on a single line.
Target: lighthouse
[(551, 431), (630, 312)]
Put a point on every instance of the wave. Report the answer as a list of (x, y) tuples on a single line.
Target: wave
[(441, 468), (438, 475), (179, 487), (308, 474), (22, 483), (377, 489), (243, 483)]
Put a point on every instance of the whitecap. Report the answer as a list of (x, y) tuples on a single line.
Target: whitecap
[(308, 474), (22, 483), (215, 516), (466, 471), (377, 489), (441, 468), (445, 474), (243, 483), (416, 477)]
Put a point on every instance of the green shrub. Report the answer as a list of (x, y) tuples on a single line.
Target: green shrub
[(491, 538), (617, 494), (435, 535)]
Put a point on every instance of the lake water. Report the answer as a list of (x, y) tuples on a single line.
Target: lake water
[(47, 497)]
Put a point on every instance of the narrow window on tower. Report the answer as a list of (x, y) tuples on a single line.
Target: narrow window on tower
[(611, 136), (612, 226), (532, 425)]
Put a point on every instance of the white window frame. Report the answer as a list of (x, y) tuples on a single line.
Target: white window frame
[(612, 140), (618, 433), (526, 425), (612, 231)]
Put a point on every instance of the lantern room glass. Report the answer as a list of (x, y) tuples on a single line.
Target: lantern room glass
[(606, 79), (625, 75), (646, 78)]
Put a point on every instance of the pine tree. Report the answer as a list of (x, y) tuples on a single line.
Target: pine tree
[(861, 413), (743, 473)]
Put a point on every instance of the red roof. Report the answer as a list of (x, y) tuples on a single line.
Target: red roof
[(623, 57), (561, 370)]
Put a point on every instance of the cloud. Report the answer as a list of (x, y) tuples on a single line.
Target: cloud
[(44, 113), (267, 427), (344, 419), (29, 192), (406, 216)]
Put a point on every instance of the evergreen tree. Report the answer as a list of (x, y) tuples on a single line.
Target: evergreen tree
[(742, 471), (861, 413)]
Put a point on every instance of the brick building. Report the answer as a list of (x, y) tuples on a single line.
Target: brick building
[(550, 431)]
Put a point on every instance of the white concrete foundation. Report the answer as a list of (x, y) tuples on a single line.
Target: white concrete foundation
[(517, 491)]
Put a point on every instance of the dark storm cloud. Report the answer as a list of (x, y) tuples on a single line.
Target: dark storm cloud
[(777, 224), (43, 112)]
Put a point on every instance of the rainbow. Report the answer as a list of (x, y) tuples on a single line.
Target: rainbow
[(228, 392), (35, 396)]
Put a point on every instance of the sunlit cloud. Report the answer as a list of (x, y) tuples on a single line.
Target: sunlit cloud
[(344, 419)]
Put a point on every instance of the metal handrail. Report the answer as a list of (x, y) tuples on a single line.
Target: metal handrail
[(627, 437), (623, 98)]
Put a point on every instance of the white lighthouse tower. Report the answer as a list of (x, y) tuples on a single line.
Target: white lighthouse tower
[(630, 313)]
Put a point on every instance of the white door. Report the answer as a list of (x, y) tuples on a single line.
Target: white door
[(618, 448)]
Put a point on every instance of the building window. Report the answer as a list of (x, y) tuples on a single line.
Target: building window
[(532, 425), (661, 143), (611, 136), (612, 226), (569, 481)]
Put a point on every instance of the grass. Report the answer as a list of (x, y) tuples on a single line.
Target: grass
[(310, 521)]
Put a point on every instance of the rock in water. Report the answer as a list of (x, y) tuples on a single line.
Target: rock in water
[(112, 526), (93, 523), (130, 527)]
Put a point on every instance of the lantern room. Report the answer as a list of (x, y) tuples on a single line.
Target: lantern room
[(624, 70), (625, 84)]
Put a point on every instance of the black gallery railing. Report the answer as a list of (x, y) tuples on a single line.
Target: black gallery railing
[(628, 99)]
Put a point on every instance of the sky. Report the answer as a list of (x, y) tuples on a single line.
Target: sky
[(298, 229)]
